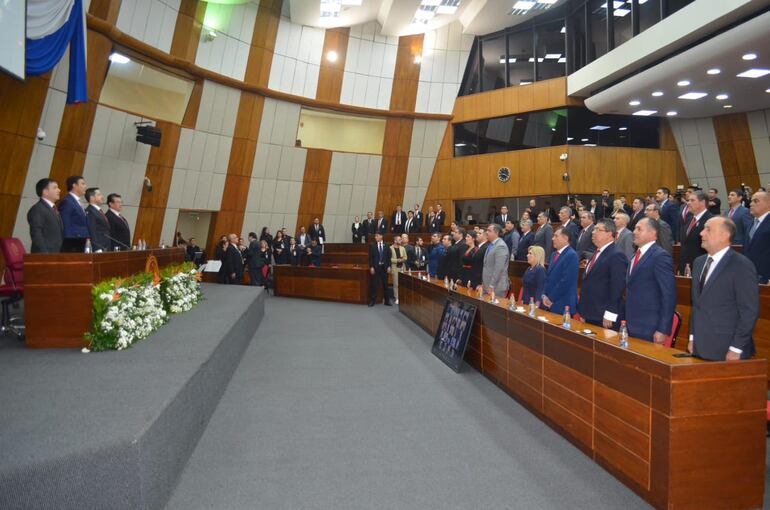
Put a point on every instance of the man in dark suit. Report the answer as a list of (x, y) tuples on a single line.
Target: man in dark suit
[(411, 257), (45, 226), (303, 240), (603, 206), (501, 218), (604, 279), (358, 230), (398, 220), (544, 235), (379, 267), (73, 216), (637, 213), (411, 225), (650, 286), (585, 247), (420, 255), (714, 203), (758, 246), (668, 210), (740, 216), (233, 261), (525, 241), (533, 209), (419, 218), (381, 226), (193, 248), (438, 219), (313, 253), (455, 254), (119, 229), (369, 226), (511, 237), (665, 236), (317, 232), (725, 297), (691, 242), (561, 278), (98, 224), (564, 217)]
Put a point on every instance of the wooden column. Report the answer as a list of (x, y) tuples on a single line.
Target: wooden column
[(331, 73), (736, 150), (398, 132)]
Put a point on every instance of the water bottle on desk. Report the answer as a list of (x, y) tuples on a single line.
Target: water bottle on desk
[(88, 245), (623, 335), (687, 271), (567, 318), (446, 282), (531, 307)]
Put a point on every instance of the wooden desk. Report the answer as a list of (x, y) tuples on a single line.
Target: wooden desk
[(57, 290), (344, 283), (682, 433)]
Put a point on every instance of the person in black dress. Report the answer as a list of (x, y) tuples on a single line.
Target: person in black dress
[(280, 250), (219, 255), (265, 235), (359, 231), (477, 264), (470, 251)]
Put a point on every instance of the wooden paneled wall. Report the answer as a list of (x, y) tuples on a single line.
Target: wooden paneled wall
[(244, 147), (315, 183), (736, 150), (331, 73), (398, 132), (160, 164)]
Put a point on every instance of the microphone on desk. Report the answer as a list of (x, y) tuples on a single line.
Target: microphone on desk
[(120, 243)]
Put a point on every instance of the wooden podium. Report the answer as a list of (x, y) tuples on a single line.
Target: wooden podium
[(57, 290)]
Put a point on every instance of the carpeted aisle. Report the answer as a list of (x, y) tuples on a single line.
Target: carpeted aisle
[(337, 406)]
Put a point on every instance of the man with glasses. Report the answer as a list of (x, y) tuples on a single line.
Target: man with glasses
[(757, 246), (665, 236)]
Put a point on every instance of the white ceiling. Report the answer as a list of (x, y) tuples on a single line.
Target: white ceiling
[(478, 17), (723, 52)]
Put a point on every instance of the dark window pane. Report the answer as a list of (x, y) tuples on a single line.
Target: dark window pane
[(649, 13), (551, 59), (588, 128), (493, 63), (598, 20), (466, 139), (621, 20), (521, 67), (470, 83), (495, 134), (576, 33), (674, 5)]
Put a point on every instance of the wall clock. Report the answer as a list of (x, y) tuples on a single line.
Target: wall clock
[(504, 174)]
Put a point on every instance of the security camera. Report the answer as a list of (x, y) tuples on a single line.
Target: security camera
[(564, 156), (148, 184), (40, 134)]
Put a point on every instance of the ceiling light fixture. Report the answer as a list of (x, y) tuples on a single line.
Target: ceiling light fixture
[(620, 12), (562, 60), (749, 56), (446, 9), (599, 127), (722, 97), (548, 2), (671, 113), (645, 113), (569, 138), (431, 3), (622, 128), (657, 93), (553, 56), (117, 58), (754, 73), (767, 90), (523, 5), (423, 14), (332, 56), (563, 30), (354, 3), (727, 106), (584, 139), (693, 95), (683, 83), (713, 71), (635, 102)]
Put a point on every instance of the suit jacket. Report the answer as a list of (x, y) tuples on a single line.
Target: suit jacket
[(691, 243), (525, 241), (725, 312), (604, 285), (500, 221), (99, 227), (435, 255), (635, 219), (233, 263), (666, 237), (650, 294), (544, 239), (74, 218), (561, 281), (381, 226), (301, 241), (119, 230), (495, 272), (455, 259), (585, 246), (669, 212), (438, 222), (45, 228), (379, 260), (477, 265), (410, 256), (411, 226), (370, 226), (683, 219), (398, 229), (757, 249), (316, 232), (743, 221), (419, 218), (625, 243), (574, 231), (512, 240), (420, 258), (359, 233), (601, 211), (314, 256)]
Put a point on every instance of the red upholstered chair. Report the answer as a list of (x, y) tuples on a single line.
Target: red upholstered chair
[(12, 289), (676, 323), (521, 295)]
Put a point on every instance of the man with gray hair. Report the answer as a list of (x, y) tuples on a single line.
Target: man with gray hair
[(691, 229), (665, 236), (565, 213), (495, 273), (585, 246), (624, 239), (544, 234), (525, 241)]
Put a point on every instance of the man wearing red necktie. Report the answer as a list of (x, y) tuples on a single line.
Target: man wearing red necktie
[(98, 225), (119, 229), (691, 241)]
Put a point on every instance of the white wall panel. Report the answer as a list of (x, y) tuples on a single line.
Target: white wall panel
[(227, 54), (150, 21), (369, 67), (697, 145), (296, 59), (444, 56), (759, 126)]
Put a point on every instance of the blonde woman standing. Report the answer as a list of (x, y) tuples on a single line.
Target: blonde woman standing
[(534, 276), (397, 262)]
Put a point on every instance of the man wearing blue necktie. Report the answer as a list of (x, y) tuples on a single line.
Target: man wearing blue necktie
[(379, 268), (757, 246)]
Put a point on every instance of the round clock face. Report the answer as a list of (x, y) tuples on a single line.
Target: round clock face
[(504, 174)]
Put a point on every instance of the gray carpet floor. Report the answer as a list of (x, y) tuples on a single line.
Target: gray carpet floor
[(336, 406)]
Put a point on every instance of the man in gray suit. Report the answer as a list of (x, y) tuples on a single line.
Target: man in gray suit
[(625, 239), (725, 297), (565, 214), (740, 216), (585, 246), (45, 226), (495, 273), (544, 235), (665, 236)]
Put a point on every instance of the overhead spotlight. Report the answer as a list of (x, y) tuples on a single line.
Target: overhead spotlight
[(645, 113), (117, 58), (622, 128), (727, 106), (635, 102), (693, 95), (657, 93), (683, 83), (671, 113), (713, 71), (749, 56), (767, 90), (209, 34), (722, 97), (754, 73), (332, 56)]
